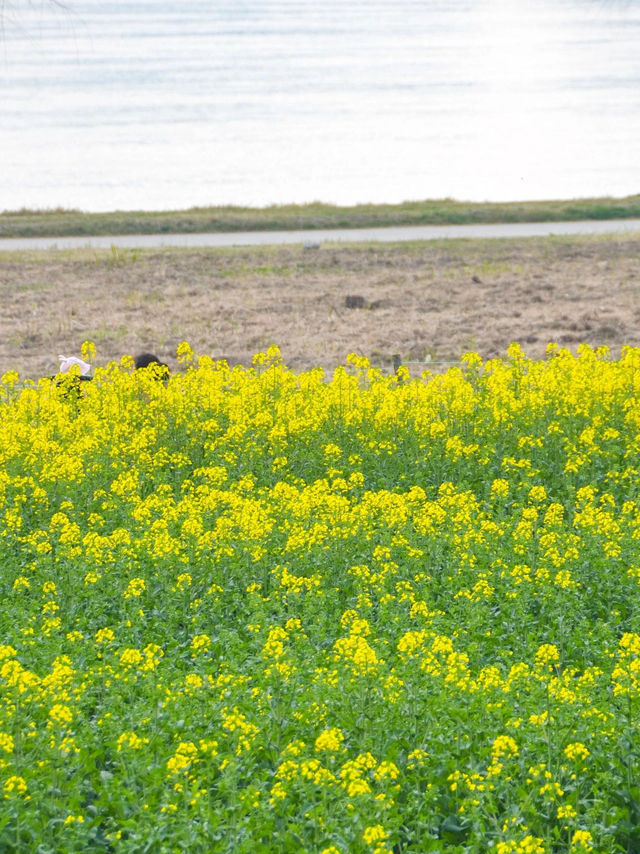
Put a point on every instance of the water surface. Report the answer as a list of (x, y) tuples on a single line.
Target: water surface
[(155, 104)]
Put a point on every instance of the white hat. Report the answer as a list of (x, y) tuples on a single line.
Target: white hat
[(67, 361)]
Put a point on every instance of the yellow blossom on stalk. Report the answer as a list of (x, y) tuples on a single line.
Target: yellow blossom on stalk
[(6, 742), (10, 378), (537, 493), (152, 655), (185, 755), (576, 750), (330, 740), (193, 682), (356, 652), (294, 748), (235, 722), (200, 643), (68, 746), (417, 758), (528, 845), (131, 658), (105, 635), (135, 587), (131, 740), (471, 360), (74, 819), (547, 656), (552, 790), (184, 353), (14, 786), (21, 583), (61, 714), (566, 811), (50, 608), (386, 770), (208, 746), (88, 350), (374, 834), (183, 581), (500, 488), (278, 793), (581, 840), (542, 719)]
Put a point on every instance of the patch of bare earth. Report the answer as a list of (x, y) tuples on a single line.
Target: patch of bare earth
[(319, 304)]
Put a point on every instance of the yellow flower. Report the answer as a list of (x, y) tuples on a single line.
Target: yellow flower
[(130, 658), (547, 656), (329, 740), (200, 643), (61, 714), (131, 740), (14, 786), (577, 750), (386, 770), (500, 488), (105, 635), (582, 839), (184, 757), (135, 587), (566, 811), (88, 350), (184, 353), (374, 834), (504, 745)]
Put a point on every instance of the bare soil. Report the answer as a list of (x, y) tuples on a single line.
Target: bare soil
[(423, 300)]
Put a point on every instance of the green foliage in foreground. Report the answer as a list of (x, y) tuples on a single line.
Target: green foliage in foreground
[(249, 611), (61, 222)]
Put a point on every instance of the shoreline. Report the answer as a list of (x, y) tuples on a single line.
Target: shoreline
[(312, 217)]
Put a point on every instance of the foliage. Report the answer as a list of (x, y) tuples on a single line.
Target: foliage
[(246, 611)]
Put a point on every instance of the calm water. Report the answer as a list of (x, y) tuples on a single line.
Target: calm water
[(152, 104)]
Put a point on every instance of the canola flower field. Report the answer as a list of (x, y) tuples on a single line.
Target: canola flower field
[(252, 611)]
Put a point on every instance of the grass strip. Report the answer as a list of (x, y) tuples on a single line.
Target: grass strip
[(61, 222)]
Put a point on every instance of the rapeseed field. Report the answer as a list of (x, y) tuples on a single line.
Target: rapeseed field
[(252, 611)]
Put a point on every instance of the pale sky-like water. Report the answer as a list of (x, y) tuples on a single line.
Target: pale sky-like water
[(155, 105)]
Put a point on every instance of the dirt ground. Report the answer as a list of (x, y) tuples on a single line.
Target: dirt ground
[(425, 300)]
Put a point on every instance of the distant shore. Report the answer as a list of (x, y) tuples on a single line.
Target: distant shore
[(316, 215)]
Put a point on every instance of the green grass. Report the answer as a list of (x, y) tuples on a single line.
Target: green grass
[(61, 222)]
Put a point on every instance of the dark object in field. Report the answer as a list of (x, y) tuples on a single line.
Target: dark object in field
[(146, 360), (354, 301)]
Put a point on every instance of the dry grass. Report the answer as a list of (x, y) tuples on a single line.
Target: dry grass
[(439, 299)]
